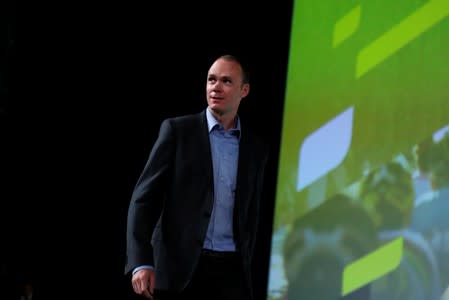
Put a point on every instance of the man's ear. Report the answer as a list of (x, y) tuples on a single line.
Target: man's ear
[(245, 90)]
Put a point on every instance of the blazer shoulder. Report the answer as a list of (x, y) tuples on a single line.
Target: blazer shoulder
[(189, 122), (186, 120)]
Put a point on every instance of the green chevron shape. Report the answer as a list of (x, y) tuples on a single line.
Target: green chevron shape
[(346, 26), (372, 266), (400, 35)]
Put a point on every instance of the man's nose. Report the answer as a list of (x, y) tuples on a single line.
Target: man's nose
[(217, 85)]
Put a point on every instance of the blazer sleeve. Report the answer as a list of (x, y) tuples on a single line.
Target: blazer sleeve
[(147, 199)]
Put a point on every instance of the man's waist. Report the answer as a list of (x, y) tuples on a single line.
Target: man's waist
[(218, 254)]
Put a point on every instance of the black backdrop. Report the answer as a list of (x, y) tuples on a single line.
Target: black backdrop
[(87, 87)]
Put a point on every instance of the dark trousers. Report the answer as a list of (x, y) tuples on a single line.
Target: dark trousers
[(219, 276)]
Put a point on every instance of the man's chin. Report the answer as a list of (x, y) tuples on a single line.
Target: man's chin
[(217, 110)]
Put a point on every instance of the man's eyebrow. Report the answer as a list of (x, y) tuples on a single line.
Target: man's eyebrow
[(226, 77)]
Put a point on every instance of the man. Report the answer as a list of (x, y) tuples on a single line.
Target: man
[(193, 214), (430, 215)]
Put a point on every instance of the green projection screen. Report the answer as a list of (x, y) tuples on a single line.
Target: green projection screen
[(362, 198)]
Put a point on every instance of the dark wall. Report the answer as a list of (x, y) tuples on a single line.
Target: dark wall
[(91, 86)]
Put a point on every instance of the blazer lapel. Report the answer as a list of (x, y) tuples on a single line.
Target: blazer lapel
[(204, 151)]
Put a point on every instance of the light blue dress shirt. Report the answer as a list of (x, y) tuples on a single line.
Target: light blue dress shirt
[(225, 153)]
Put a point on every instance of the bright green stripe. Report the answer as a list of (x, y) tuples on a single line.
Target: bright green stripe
[(346, 26), (402, 34), (372, 266)]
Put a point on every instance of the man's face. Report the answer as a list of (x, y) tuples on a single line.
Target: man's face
[(224, 88)]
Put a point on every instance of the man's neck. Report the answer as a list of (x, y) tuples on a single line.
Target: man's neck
[(227, 120)]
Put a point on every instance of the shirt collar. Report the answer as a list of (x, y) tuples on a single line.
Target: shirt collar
[(212, 122)]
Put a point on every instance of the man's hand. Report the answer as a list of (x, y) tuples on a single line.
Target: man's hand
[(143, 282)]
